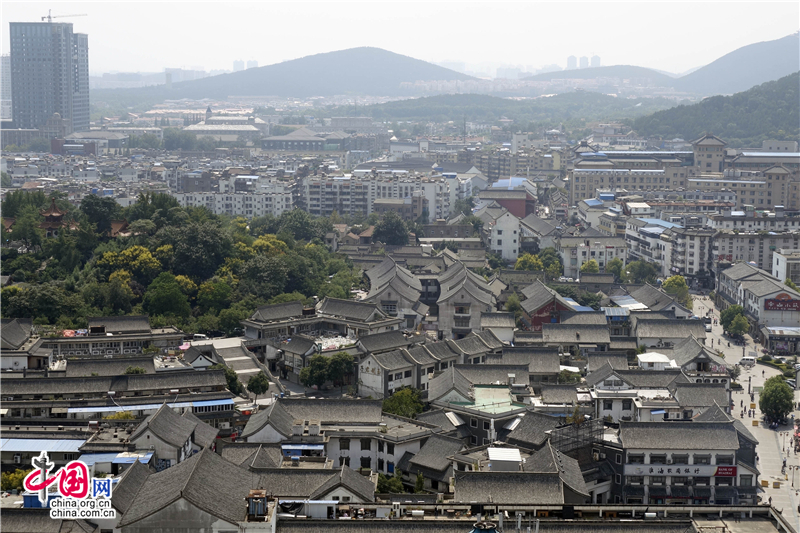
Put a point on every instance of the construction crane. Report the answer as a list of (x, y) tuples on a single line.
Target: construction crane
[(50, 17)]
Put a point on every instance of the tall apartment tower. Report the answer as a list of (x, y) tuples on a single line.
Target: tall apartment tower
[(49, 74), (572, 63), (595, 61), (584, 62), (238, 65), (5, 87)]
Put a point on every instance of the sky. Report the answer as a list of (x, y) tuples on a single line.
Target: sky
[(670, 36)]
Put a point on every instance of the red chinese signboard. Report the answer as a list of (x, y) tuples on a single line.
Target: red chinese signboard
[(782, 302), (725, 471)]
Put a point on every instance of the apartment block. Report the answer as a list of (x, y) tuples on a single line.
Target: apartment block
[(245, 204), (786, 264)]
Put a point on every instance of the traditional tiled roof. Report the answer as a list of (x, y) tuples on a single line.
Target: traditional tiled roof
[(167, 426), (533, 429), (271, 313), (681, 435)]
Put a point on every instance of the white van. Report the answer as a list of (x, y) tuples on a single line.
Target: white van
[(747, 361)]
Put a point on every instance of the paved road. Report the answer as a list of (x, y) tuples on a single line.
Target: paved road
[(772, 445)]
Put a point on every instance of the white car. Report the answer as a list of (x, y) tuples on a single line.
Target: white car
[(708, 328)]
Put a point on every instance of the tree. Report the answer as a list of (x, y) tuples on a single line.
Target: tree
[(100, 212), (316, 373), (404, 402), (13, 480), (135, 370), (232, 379), (676, 287), (789, 283), (727, 316), (553, 271), (419, 485), (641, 272), (475, 222), (165, 297), (616, 267), (390, 485), (776, 400), (258, 384), (214, 295), (391, 230), (199, 248), (464, 206), (528, 262), (565, 376), (739, 326), (121, 415), (340, 365), (513, 305), (39, 144), (549, 256), (27, 228), (576, 417), (590, 267)]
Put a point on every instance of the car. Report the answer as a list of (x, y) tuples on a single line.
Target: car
[(708, 328), (792, 383), (797, 366)]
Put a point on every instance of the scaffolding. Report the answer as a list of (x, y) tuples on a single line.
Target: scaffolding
[(574, 436)]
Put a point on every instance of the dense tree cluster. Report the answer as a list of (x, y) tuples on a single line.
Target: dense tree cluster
[(182, 266)]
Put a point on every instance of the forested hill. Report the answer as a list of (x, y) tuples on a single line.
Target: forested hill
[(482, 108), (613, 71), (767, 111)]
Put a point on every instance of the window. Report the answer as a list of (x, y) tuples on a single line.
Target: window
[(366, 444), (473, 422), (407, 374), (380, 446), (473, 440), (344, 444), (617, 479), (380, 464), (389, 448), (724, 459), (635, 480), (680, 459), (745, 481), (636, 459), (727, 481), (366, 462), (701, 481), (619, 458), (344, 461), (657, 480), (626, 405), (608, 405), (658, 459), (499, 242), (399, 375), (702, 459), (486, 425), (499, 232), (680, 480)]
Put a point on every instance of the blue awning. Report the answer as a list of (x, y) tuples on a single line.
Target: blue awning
[(114, 458), (128, 459), (116, 408), (227, 401), (38, 445), (657, 412), (302, 446)]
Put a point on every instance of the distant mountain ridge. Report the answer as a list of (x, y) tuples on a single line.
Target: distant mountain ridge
[(736, 71), (364, 70)]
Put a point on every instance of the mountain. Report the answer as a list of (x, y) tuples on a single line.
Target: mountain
[(370, 71), (577, 106), (767, 111), (745, 67), (616, 71)]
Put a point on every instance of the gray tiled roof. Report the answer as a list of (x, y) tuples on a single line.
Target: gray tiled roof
[(497, 320), (387, 340), (681, 435), (700, 394), (270, 313), (421, 355), (450, 379), (388, 274), (167, 426), (204, 434), (121, 324), (205, 480), (559, 394), (458, 278), (521, 488), (575, 334), (347, 309), (393, 360), (594, 361), (573, 317), (22, 520), (537, 294), (350, 479), (531, 432), (298, 344), (540, 360), (108, 367), (441, 350), (14, 332), (668, 328), (129, 484), (434, 452), (549, 460)]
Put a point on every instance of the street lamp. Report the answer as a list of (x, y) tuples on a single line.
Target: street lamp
[(794, 468)]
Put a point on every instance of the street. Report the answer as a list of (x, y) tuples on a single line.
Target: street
[(772, 445)]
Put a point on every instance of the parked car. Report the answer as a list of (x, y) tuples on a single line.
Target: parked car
[(792, 383)]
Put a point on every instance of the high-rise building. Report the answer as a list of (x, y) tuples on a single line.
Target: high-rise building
[(572, 63), (584, 62), (252, 63), (595, 61), (238, 65), (5, 87), (49, 74)]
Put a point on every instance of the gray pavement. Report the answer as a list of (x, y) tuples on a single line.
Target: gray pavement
[(773, 446)]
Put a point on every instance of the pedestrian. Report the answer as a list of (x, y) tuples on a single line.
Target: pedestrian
[(770, 500)]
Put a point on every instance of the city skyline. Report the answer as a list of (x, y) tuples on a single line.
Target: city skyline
[(746, 23)]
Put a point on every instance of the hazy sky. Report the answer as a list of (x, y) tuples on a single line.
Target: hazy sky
[(671, 36)]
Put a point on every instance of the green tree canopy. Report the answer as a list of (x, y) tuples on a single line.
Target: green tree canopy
[(391, 230), (135, 370), (727, 316), (739, 326), (405, 402), (165, 297), (390, 485), (641, 272), (340, 365), (677, 287), (590, 267), (100, 212), (258, 384), (528, 262), (316, 373), (776, 399), (616, 267), (232, 379)]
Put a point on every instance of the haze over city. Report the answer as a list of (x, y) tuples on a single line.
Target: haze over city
[(669, 36)]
